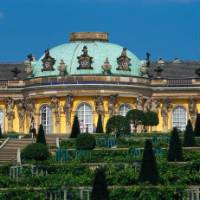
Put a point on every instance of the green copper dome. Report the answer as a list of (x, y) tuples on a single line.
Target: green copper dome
[(96, 50)]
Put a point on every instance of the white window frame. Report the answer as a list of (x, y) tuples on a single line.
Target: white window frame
[(2, 120), (85, 116), (178, 121), (46, 112), (124, 111)]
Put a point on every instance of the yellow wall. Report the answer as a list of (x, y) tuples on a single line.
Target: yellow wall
[(89, 100)]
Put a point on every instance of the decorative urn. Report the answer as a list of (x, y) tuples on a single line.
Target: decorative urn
[(28, 68), (106, 67), (62, 68)]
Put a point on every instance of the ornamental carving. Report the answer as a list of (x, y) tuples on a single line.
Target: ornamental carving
[(99, 105), (21, 113), (9, 112), (68, 107), (106, 67), (140, 102), (123, 61), (166, 107), (30, 112), (151, 104), (55, 106), (192, 108), (48, 62), (84, 60), (112, 100)]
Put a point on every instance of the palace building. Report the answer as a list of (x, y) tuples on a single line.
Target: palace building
[(90, 76)]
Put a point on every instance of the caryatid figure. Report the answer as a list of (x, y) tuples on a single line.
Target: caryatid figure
[(10, 113), (111, 104), (68, 108)]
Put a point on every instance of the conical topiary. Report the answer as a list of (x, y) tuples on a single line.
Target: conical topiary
[(41, 135), (149, 172), (99, 125), (197, 126), (175, 148), (75, 128), (189, 140), (100, 188), (1, 135)]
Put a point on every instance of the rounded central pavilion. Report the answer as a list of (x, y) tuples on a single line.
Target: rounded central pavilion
[(87, 76)]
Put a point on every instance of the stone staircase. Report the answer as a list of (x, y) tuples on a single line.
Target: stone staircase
[(8, 153)]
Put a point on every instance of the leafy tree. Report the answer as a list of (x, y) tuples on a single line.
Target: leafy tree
[(41, 135), (175, 148), (189, 139), (151, 119), (75, 128), (149, 171), (136, 117), (197, 126), (118, 125), (100, 188), (99, 125), (1, 135)]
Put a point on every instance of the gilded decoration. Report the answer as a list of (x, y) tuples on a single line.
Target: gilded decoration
[(124, 61), (84, 60), (48, 62)]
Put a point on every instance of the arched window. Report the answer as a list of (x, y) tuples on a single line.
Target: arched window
[(85, 118), (46, 118), (123, 109), (2, 120), (179, 118)]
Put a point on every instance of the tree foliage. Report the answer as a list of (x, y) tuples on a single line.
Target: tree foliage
[(189, 139), (100, 188), (149, 172), (75, 128), (99, 125), (197, 126), (151, 118), (135, 117), (118, 125), (175, 147), (41, 135)]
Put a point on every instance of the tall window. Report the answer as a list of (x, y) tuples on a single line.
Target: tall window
[(85, 118), (2, 120), (46, 118), (123, 109), (179, 118)]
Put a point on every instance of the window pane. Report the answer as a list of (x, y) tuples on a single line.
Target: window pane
[(179, 118), (46, 118), (123, 109)]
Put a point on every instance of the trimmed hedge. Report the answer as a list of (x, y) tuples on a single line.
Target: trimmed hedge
[(85, 141), (36, 151)]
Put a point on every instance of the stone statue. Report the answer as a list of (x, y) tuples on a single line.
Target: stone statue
[(10, 113), (30, 111), (99, 105), (166, 106), (55, 108), (151, 104), (111, 104), (192, 110), (68, 107), (21, 113), (140, 103)]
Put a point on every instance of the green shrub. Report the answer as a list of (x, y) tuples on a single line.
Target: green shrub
[(1, 135), (85, 141), (41, 135), (99, 125), (189, 140), (197, 126), (75, 132), (118, 125), (36, 151)]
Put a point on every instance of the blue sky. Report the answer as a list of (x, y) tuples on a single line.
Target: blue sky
[(166, 28)]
